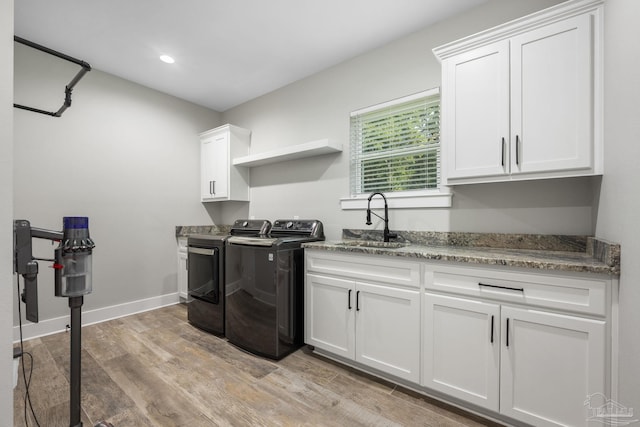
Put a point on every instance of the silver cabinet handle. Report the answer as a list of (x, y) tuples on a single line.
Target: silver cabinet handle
[(517, 150), (503, 149)]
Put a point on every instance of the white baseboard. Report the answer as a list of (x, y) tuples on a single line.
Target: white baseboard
[(59, 324)]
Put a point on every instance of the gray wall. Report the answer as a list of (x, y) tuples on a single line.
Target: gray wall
[(619, 206), (123, 155), (143, 168), (318, 107), (6, 211)]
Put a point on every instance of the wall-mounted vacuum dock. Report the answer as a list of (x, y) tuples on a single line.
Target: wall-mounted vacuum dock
[(72, 264)]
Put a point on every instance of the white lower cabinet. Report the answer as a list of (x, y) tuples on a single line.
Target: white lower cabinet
[(528, 347), (182, 269), (373, 324), (461, 349), (534, 366), (550, 365), (329, 315), (388, 329)]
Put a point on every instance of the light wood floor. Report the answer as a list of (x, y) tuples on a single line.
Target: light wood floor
[(155, 369)]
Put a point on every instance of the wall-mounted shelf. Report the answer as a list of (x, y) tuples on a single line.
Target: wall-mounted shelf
[(309, 149)]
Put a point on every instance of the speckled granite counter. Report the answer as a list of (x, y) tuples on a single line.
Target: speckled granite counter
[(546, 252), (186, 230)]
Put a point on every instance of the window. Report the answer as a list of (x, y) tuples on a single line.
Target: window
[(395, 146)]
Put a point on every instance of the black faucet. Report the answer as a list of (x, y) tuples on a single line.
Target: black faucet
[(387, 234)]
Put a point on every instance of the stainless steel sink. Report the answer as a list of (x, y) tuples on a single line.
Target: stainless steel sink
[(373, 244)]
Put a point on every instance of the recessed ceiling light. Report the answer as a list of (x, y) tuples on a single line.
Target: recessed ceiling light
[(167, 59)]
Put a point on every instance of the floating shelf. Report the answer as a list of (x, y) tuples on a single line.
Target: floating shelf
[(309, 149)]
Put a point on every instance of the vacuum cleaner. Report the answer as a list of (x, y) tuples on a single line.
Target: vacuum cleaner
[(72, 279)]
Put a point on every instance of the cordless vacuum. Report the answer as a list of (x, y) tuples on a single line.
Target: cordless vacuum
[(72, 279)]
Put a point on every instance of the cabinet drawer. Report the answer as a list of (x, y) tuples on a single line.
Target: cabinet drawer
[(558, 292), (367, 268)]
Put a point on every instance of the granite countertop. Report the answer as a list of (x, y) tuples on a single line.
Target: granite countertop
[(187, 230), (584, 254)]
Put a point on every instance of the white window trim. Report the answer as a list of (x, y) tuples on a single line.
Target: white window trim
[(401, 100), (440, 198), (434, 198)]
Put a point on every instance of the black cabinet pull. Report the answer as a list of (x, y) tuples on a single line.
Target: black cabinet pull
[(492, 328), (508, 288), (357, 300), (517, 150), (349, 299), (213, 187), (503, 148), (507, 338)]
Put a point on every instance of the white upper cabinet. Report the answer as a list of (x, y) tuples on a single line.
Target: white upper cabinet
[(523, 100), (476, 119), (552, 98), (220, 179)]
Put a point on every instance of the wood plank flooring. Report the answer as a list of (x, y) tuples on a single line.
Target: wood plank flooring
[(155, 369)]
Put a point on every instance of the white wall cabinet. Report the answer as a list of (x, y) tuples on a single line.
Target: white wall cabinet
[(374, 323), (220, 179), (523, 100), (182, 276)]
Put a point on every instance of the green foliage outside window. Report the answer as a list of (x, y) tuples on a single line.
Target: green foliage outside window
[(397, 148)]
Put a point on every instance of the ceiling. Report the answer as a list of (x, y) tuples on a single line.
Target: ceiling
[(226, 51)]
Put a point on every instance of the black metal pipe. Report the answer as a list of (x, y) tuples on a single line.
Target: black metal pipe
[(67, 92), (35, 110), (75, 304), (52, 52)]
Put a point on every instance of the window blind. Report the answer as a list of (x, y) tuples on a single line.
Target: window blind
[(396, 146)]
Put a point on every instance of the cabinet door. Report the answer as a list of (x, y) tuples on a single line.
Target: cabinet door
[(388, 329), (476, 112), (461, 349), (207, 168), (214, 157), (552, 97), (330, 314), (182, 276), (550, 364), (220, 161)]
